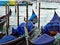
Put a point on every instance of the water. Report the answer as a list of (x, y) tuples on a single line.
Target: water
[(45, 14)]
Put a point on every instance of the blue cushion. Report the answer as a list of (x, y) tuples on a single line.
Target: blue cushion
[(43, 40), (14, 31), (20, 30), (7, 38)]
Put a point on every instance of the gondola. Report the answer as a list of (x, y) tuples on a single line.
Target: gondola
[(2, 22), (18, 34), (3, 18), (48, 32), (52, 26)]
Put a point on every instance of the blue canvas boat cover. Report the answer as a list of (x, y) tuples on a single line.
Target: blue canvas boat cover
[(7, 38), (53, 24), (20, 30), (43, 40), (56, 18), (33, 18)]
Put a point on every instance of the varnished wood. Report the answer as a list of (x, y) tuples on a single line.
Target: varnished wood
[(8, 16), (17, 14), (27, 23), (6, 21), (39, 17), (27, 15)]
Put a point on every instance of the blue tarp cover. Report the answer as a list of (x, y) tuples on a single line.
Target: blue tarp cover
[(20, 30), (53, 24), (55, 18), (33, 18), (43, 40), (7, 38)]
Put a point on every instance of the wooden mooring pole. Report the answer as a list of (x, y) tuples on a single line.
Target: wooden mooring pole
[(8, 15), (6, 22), (6, 9), (17, 14), (26, 31), (7, 19), (15, 8), (39, 18)]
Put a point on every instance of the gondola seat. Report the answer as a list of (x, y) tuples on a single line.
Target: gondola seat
[(43, 40)]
